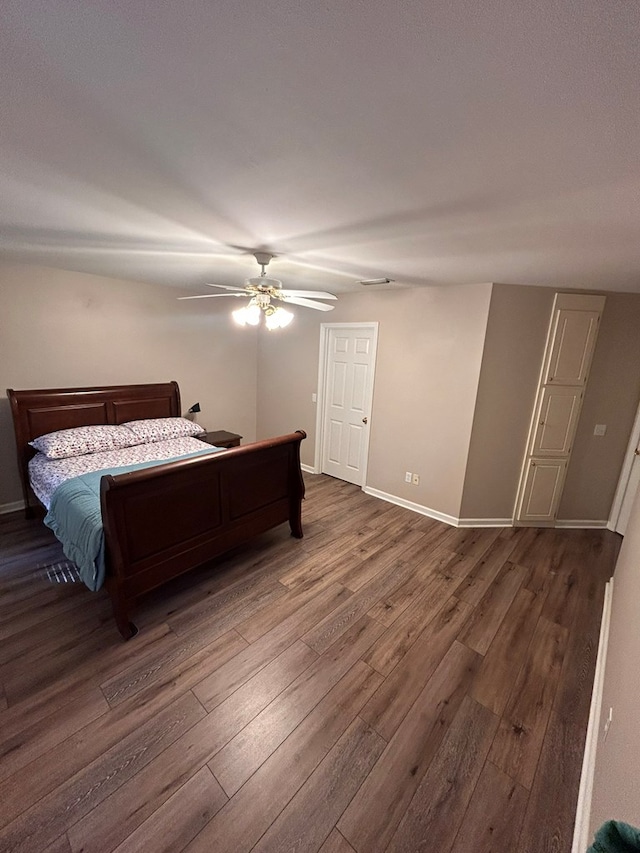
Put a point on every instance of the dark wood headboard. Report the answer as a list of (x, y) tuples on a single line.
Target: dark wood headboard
[(47, 410)]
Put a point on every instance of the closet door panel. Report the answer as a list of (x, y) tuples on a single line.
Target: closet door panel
[(573, 341), (542, 490), (557, 420)]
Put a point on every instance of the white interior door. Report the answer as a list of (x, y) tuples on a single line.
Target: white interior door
[(628, 484), (347, 393), (629, 494)]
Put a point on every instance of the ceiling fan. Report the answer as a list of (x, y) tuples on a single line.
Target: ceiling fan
[(261, 290)]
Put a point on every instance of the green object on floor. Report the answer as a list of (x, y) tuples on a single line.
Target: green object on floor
[(616, 837)]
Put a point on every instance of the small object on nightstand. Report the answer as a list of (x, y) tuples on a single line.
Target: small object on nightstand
[(220, 438)]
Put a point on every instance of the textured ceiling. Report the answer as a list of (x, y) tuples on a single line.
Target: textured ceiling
[(434, 142)]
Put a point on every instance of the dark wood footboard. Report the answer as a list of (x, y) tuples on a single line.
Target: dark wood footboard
[(160, 522)]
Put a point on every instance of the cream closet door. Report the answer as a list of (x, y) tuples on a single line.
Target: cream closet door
[(348, 392), (557, 419), (565, 369), (542, 490), (573, 339)]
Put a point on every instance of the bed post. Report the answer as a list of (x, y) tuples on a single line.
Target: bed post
[(296, 489), (120, 609), (24, 452), (113, 562)]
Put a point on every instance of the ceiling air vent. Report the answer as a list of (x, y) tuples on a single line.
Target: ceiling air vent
[(369, 281)]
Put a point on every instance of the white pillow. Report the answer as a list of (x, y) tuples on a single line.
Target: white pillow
[(160, 429)]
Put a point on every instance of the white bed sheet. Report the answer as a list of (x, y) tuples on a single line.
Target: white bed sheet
[(46, 475)]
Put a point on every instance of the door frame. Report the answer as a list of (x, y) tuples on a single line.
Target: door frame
[(323, 357), (625, 474)]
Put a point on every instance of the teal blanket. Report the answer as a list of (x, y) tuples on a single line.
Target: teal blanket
[(76, 518), (616, 837)]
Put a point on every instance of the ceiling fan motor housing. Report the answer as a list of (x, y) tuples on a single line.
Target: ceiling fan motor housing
[(263, 282)]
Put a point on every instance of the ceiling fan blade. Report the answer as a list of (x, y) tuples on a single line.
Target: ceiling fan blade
[(213, 295), (311, 294), (224, 286), (308, 303)]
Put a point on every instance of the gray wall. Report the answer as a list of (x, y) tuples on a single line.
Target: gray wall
[(429, 355), (513, 351), (611, 398), (62, 329), (616, 792)]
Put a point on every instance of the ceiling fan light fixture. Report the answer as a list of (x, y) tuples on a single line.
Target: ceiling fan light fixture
[(252, 314), (240, 316), (274, 317), (261, 290), (278, 318), (249, 315), (285, 317)]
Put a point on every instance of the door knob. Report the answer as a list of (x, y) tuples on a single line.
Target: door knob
[(365, 420)]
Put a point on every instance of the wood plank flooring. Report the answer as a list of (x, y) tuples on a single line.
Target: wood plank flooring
[(387, 683)]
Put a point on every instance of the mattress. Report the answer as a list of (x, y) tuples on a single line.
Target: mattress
[(46, 475)]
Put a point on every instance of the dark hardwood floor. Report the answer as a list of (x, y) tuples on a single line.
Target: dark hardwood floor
[(388, 683)]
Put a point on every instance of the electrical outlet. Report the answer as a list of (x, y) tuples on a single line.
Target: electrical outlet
[(407, 477), (314, 398), (416, 479), (600, 429)]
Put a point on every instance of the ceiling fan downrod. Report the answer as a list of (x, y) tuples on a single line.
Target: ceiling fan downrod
[(263, 259)]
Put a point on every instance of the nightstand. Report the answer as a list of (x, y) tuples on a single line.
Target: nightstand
[(220, 438)]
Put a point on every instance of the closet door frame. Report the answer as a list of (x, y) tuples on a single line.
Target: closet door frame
[(580, 338)]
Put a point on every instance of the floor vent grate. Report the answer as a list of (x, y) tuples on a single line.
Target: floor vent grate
[(61, 572)]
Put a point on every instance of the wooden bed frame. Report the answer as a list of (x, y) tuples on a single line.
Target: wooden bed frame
[(162, 521)]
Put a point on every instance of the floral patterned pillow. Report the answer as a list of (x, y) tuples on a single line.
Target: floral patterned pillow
[(161, 429), (78, 441)]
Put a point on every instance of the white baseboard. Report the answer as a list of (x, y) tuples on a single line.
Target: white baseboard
[(308, 468), (581, 837), (463, 522), (11, 507), (423, 510)]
